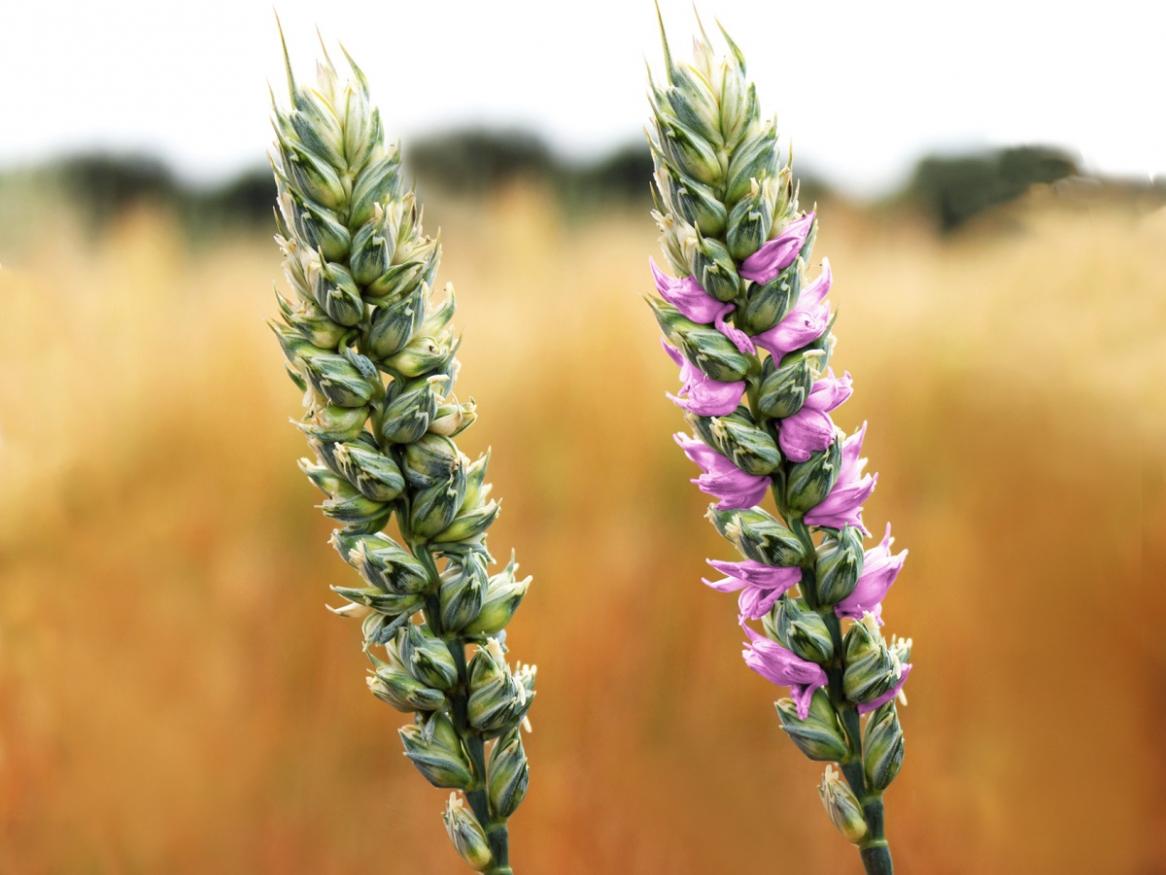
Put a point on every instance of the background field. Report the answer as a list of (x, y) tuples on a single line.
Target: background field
[(174, 698)]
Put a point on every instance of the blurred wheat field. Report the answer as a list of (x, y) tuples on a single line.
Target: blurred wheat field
[(173, 697)]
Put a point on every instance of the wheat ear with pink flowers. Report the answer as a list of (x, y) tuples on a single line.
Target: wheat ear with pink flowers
[(751, 332)]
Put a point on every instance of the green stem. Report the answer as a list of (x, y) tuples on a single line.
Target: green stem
[(496, 833)]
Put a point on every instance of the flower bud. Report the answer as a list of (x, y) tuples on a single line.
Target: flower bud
[(703, 345), (310, 323), (507, 775), (375, 475), (335, 292), (402, 279), (801, 630), (749, 224), (477, 489), (345, 380), (690, 153), (344, 502), (362, 126), (295, 344), (427, 658), (356, 512), (403, 693), (839, 564), (503, 595), (769, 303), (687, 99), (842, 806), (433, 746), (820, 736), (738, 103), (882, 747), (371, 253), (715, 355), (387, 603), (331, 423), (785, 386), (431, 459), (716, 270), (498, 698), (470, 524), (434, 507), (699, 206), (758, 536), (391, 682), (392, 324), (378, 182), (377, 628), (382, 562), (737, 437), (321, 229), (873, 669), (811, 481), (410, 408), (423, 354), (453, 418), (312, 178), (467, 835), (755, 158), (312, 125), (463, 587)]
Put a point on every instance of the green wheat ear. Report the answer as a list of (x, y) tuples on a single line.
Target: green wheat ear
[(372, 349)]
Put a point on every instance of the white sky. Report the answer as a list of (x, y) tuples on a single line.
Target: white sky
[(861, 88)]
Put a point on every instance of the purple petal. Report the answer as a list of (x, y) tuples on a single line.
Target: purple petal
[(733, 489), (777, 254), (721, 478), (706, 397), (879, 569), (829, 392), (804, 433), (843, 507), (687, 296), (739, 338), (725, 584), (700, 394), (755, 602), (759, 574), (816, 291), (697, 450), (799, 328), (783, 667)]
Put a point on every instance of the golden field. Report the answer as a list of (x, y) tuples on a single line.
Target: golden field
[(174, 698)]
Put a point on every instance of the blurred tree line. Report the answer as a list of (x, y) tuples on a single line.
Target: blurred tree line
[(949, 190)]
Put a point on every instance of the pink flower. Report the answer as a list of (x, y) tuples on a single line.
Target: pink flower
[(843, 505), (693, 302), (721, 478), (879, 569), (889, 694), (785, 668), (777, 254), (687, 296), (699, 393), (760, 585), (811, 430), (805, 323)]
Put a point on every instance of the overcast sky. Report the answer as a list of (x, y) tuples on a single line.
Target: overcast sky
[(861, 88)]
